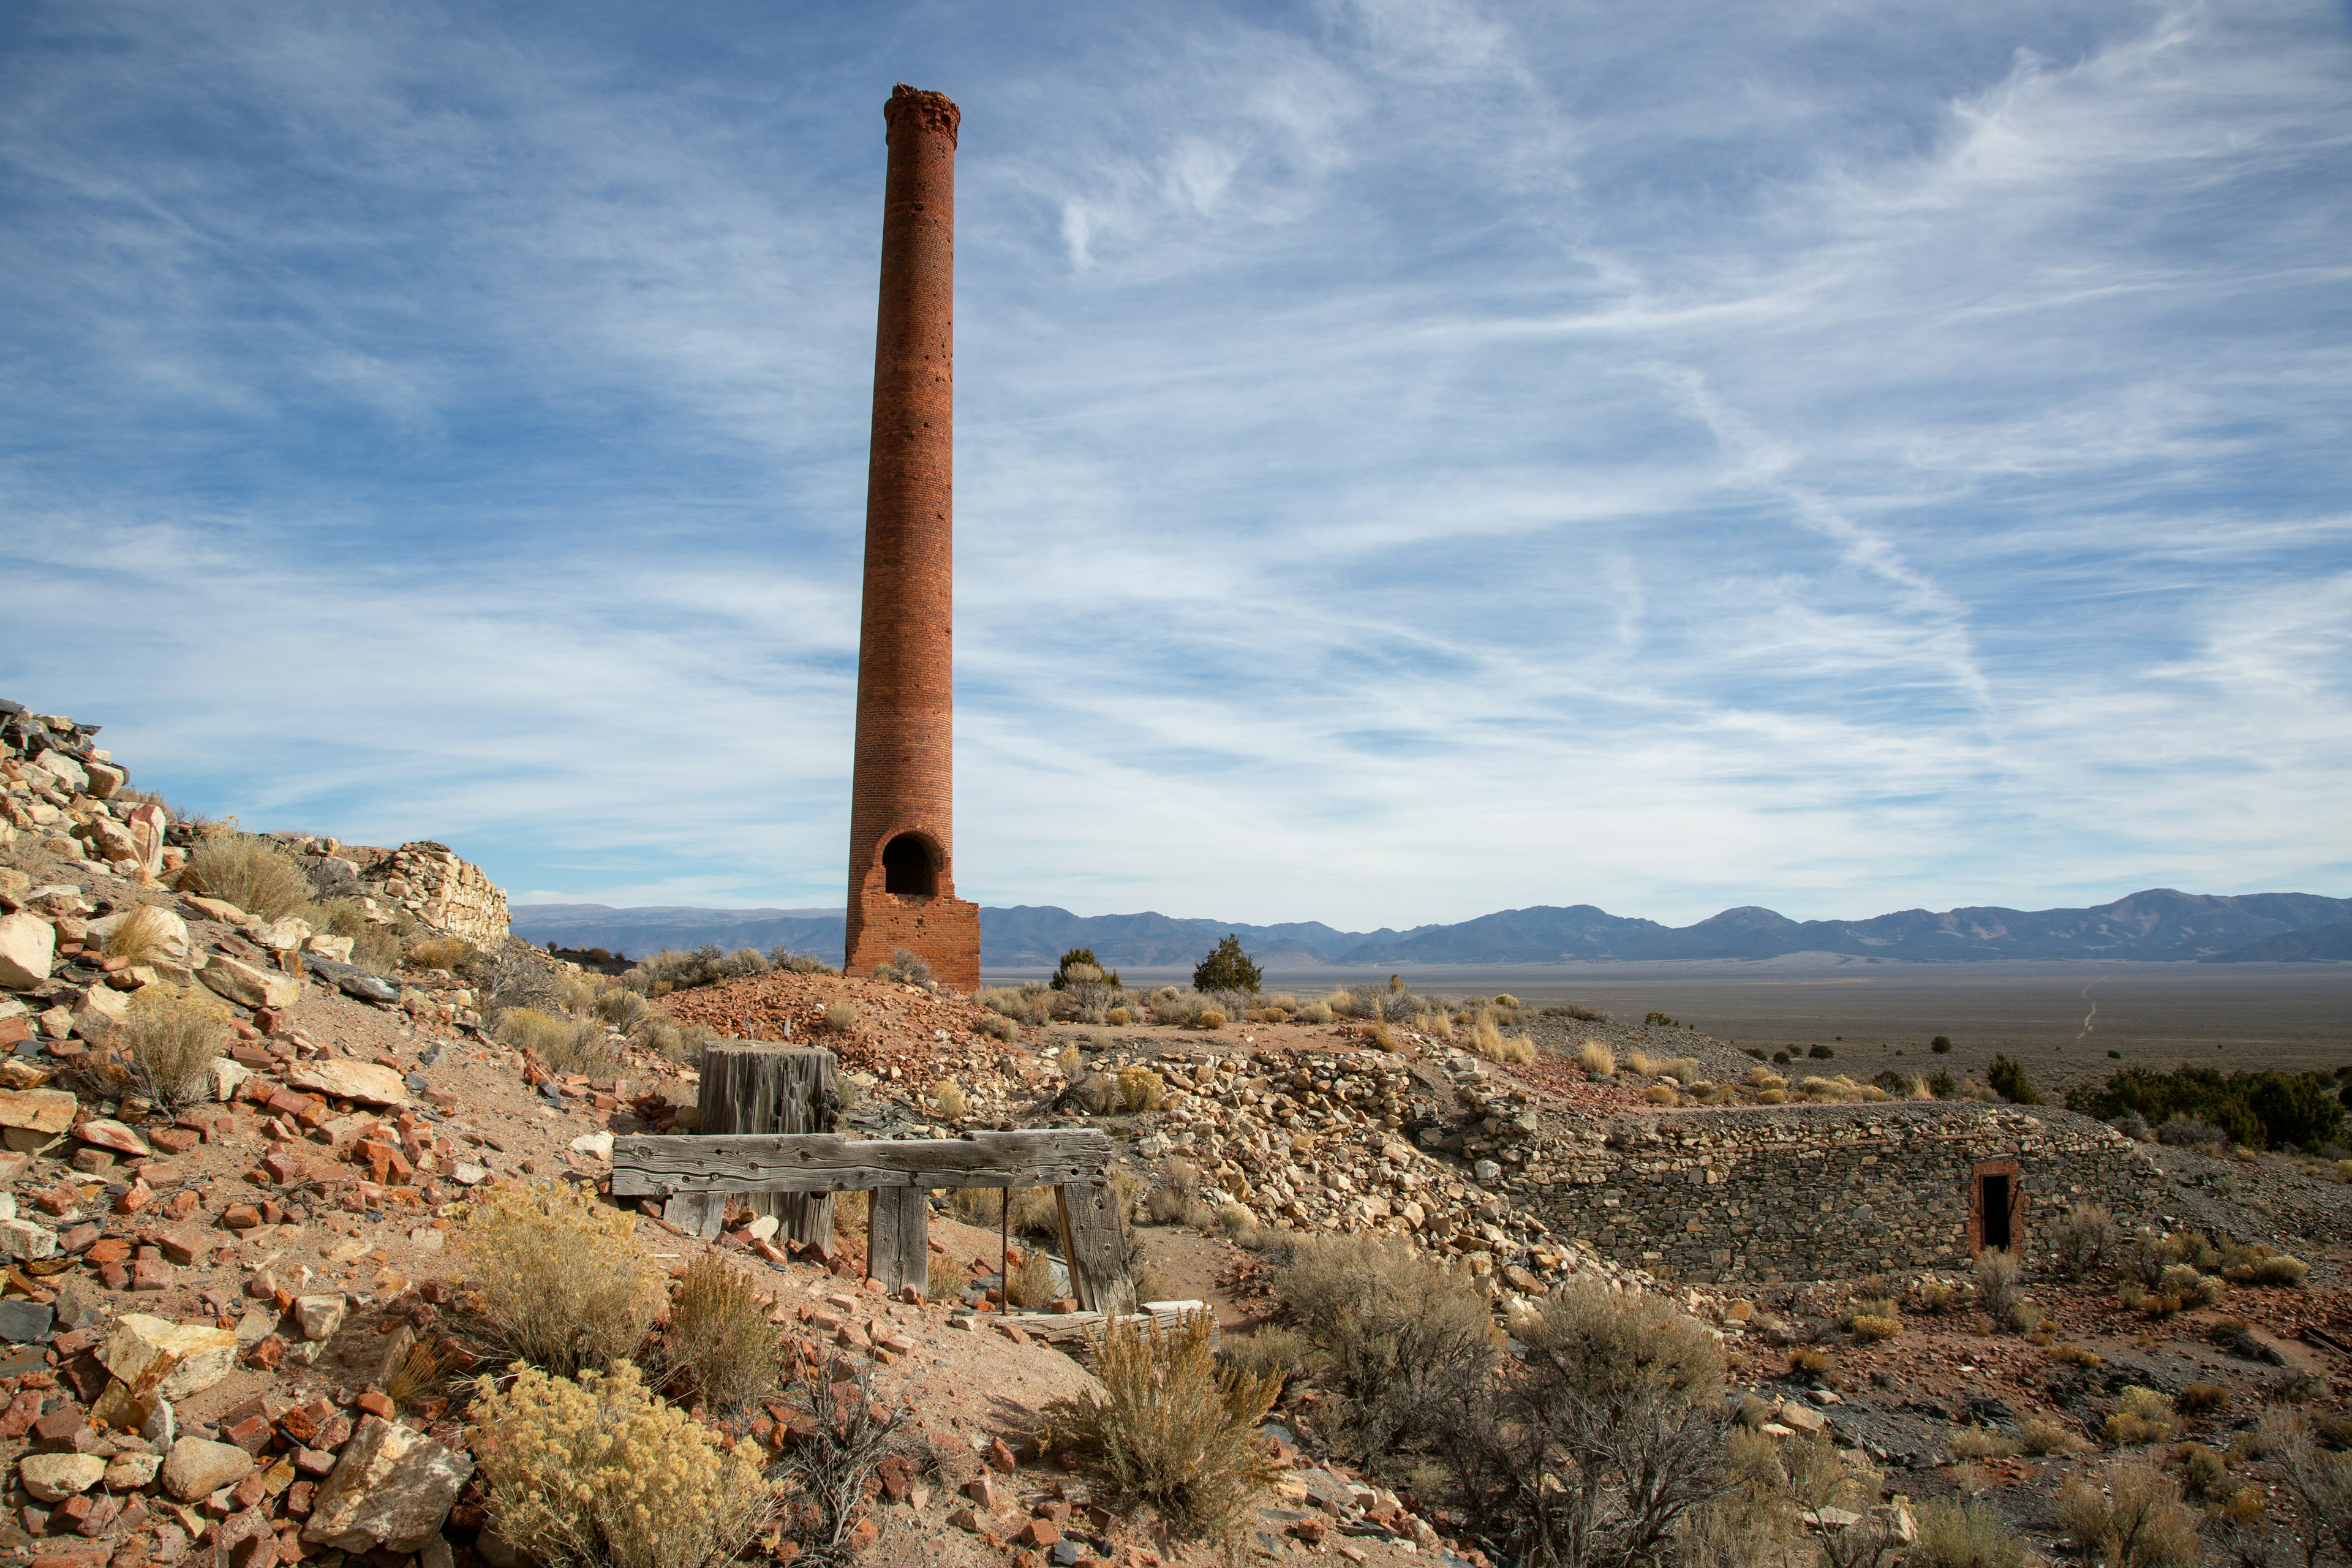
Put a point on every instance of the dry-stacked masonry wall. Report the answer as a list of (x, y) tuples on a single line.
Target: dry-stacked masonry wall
[(1764, 1194)]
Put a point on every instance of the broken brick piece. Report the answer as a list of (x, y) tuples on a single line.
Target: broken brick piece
[(175, 1139), (252, 1434), (241, 1216), (375, 1402)]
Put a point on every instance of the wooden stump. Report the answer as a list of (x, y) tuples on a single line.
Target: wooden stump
[(749, 1085)]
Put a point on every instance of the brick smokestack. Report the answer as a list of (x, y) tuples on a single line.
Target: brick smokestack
[(901, 806)]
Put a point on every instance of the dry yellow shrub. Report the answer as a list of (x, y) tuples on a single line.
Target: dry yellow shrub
[(1140, 1089), (720, 1337), (564, 1284), (146, 933), (601, 1471), (1170, 1430), (173, 1040), (250, 872), (1595, 1058)]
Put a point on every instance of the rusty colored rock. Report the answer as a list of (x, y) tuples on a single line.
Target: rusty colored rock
[(901, 810)]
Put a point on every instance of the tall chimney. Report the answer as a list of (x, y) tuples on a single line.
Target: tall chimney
[(902, 792)]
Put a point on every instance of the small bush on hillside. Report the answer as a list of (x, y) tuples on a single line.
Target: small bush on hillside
[(601, 1472), (1820, 1053), (1964, 1535), (1209, 1018), (566, 1044), (950, 1100), (1314, 1013), (2081, 1239), (172, 1041), (252, 873), (449, 952), (1599, 1444), (996, 1027), (945, 1279), (2142, 1415), (564, 1282), (670, 970), (719, 1341), (1981, 1442), (2258, 1265), (2138, 1522), (1596, 1059), (1941, 1295), (1172, 1431), (145, 933), (854, 1434), (621, 1007), (840, 1017), (1997, 1288), (1396, 1335), (1031, 1285), (2043, 1435), (2006, 1076), (1227, 968), (791, 963)]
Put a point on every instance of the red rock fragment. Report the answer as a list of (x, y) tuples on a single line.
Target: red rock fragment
[(241, 1216), (375, 1402)]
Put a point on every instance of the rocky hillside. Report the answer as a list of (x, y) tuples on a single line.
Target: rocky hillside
[(247, 1296)]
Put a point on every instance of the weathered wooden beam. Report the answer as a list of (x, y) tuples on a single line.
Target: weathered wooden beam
[(646, 1165)]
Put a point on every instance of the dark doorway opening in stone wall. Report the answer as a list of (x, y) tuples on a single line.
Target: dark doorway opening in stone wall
[(911, 866), (1995, 1189)]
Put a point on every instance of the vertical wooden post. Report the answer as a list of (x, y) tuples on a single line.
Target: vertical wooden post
[(749, 1085), (1096, 1245), (898, 1237)]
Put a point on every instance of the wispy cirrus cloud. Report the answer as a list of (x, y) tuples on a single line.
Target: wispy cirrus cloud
[(1414, 459)]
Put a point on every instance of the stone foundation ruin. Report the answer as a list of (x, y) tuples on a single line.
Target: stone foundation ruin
[(1762, 1195)]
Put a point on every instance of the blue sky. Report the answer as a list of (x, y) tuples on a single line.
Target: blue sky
[(1413, 459)]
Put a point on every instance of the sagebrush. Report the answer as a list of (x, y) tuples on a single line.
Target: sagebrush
[(563, 1284), (600, 1471), (1172, 1429)]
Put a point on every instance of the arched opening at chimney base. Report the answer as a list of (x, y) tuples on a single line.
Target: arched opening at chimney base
[(911, 866)]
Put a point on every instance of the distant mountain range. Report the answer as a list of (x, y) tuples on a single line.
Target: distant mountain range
[(2157, 925)]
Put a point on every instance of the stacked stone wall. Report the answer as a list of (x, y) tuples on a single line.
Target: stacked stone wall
[(445, 892), (1767, 1194)]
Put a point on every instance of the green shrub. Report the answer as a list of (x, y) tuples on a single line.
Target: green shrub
[(2255, 1109), (1227, 968), (2007, 1076), (1074, 968)]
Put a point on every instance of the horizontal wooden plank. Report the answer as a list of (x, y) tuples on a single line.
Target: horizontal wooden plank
[(1076, 1330), (646, 1165)]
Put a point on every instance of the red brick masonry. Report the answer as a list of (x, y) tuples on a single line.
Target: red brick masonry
[(902, 787)]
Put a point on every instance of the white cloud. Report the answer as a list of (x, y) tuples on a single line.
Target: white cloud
[(1425, 459)]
